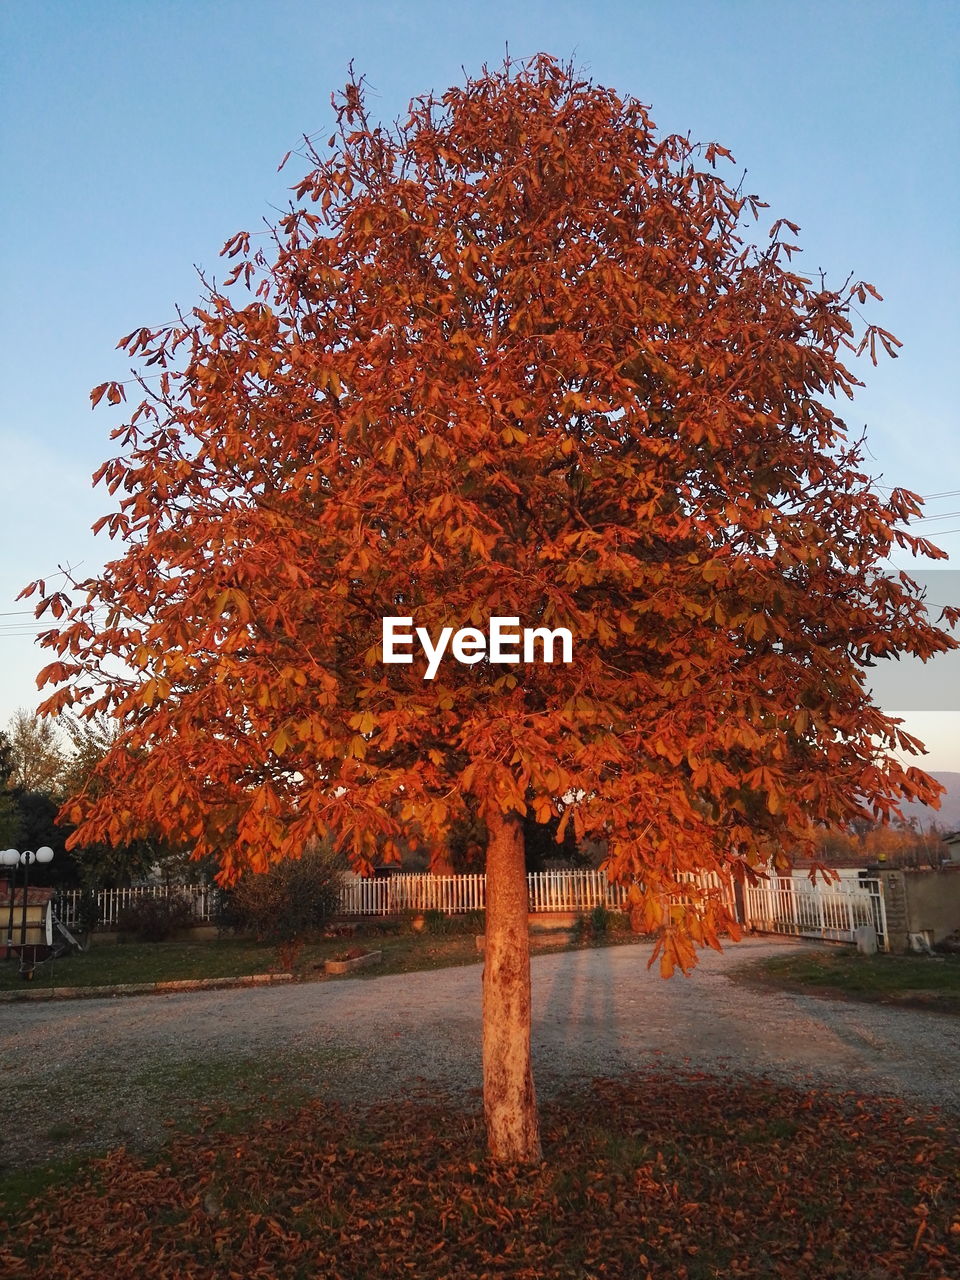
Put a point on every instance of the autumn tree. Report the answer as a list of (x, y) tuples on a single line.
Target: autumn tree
[(36, 756), (898, 844), (516, 356)]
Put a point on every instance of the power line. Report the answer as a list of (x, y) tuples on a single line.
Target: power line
[(925, 497), (18, 613)]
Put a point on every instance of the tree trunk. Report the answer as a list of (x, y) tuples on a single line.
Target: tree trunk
[(509, 1101)]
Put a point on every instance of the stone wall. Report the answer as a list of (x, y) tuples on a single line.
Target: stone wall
[(921, 901)]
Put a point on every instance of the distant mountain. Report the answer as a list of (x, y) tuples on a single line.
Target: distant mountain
[(948, 815)]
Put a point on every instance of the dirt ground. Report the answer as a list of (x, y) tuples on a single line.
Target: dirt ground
[(87, 1074)]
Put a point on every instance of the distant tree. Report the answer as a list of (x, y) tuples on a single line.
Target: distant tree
[(99, 863), (36, 757), (514, 357), (467, 841), (897, 844), (540, 840), (31, 767), (37, 814), (90, 740), (6, 759), (10, 821)]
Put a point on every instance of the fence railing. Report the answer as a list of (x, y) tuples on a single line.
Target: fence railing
[(111, 903), (413, 892), (784, 904), (579, 890), (582, 889), (788, 904)]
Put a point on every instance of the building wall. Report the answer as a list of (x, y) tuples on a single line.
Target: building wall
[(921, 901)]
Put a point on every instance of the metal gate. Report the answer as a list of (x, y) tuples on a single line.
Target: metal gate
[(796, 905)]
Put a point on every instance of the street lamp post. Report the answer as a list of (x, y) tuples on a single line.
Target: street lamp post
[(13, 859)]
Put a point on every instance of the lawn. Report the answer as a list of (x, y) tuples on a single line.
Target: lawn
[(654, 1176), (929, 982), (108, 963)]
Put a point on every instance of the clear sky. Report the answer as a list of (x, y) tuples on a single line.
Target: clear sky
[(136, 137)]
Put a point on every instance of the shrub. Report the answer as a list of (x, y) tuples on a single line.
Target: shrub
[(156, 919), (474, 921), (581, 929), (600, 921), (619, 922), (293, 898), (224, 913), (87, 913), (440, 922), (437, 922)]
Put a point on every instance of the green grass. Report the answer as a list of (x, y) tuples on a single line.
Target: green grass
[(109, 963), (931, 982), (19, 1188), (106, 963), (144, 1099)]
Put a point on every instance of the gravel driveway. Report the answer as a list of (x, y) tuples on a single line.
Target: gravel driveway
[(83, 1074)]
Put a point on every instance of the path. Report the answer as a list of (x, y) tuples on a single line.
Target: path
[(94, 1063)]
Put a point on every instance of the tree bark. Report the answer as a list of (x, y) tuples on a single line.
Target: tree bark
[(509, 1100)]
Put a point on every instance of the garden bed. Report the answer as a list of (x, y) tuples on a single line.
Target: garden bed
[(350, 962)]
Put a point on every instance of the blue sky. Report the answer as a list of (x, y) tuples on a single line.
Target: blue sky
[(136, 137)]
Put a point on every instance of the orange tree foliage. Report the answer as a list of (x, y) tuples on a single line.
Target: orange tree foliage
[(513, 356)]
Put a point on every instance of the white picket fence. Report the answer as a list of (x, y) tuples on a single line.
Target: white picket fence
[(579, 890), (549, 891), (785, 904), (112, 902), (413, 891)]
